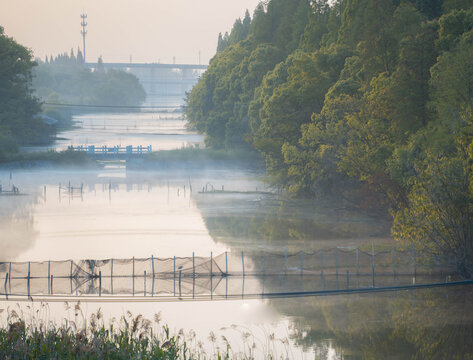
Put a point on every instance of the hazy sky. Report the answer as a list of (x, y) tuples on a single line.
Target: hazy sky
[(148, 30)]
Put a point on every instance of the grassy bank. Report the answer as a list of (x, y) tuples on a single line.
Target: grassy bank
[(45, 158), (197, 154)]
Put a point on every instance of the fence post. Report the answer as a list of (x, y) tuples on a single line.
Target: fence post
[(357, 261), (111, 277), (211, 264), (49, 276), (243, 262), (100, 283), (70, 278), (6, 280), (285, 261), (322, 262), (262, 257), (174, 276), (144, 286), (133, 277), (414, 259), (372, 263), (394, 261), (336, 261), (29, 274), (180, 274), (193, 265), (9, 277), (52, 278), (152, 265), (302, 262)]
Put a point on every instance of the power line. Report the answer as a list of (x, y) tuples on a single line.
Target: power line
[(114, 106)]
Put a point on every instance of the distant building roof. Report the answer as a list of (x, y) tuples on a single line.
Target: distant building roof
[(47, 119)]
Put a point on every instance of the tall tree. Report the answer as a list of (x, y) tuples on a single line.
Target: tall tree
[(17, 104)]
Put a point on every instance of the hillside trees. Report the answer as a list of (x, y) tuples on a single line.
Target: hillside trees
[(370, 98)]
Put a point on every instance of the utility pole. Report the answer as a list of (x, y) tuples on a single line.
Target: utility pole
[(84, 31)]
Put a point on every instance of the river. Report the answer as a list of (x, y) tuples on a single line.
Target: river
[(120, 213)]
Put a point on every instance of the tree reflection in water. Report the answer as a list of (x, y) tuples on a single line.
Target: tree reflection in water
[(432, 323)]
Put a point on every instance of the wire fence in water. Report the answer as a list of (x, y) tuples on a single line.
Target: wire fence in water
[(228, 274)]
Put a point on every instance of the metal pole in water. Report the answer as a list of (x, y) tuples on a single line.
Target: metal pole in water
[(29, 279), (322, 262), (71, 277), (6, 280), (302, 262), (133, 276), (152, 265), (285, 261), (372, 262), (49, 276), (357, 260), (394, 261), (111, 277), (336, 261), (243, 262), (180, 276), (262, 256)]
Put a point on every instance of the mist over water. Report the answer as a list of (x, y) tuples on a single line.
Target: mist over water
[(121, 213)]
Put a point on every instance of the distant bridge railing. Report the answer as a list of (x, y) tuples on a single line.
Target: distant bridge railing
[(112, 150)]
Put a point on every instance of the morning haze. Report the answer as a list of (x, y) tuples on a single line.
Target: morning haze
[(148, 30), (314, 176)]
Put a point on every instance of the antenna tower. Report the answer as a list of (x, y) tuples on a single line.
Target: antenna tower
[(84, 31)]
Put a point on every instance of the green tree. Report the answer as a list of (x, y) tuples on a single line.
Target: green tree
[(439, 215), (17, 104)]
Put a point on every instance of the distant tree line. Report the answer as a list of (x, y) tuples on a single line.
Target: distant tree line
[(66, 78), (369, 101), (25, 84)]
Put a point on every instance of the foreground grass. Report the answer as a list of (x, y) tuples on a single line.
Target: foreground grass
[(131, 337)]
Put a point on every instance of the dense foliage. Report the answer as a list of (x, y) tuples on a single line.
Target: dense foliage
[(369, 100), (17, 104), (65, 77)]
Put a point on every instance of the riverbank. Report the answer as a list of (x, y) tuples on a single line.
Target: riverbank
[(163, 159)]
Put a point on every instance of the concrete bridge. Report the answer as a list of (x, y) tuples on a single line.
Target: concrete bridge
[(164, 83)]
